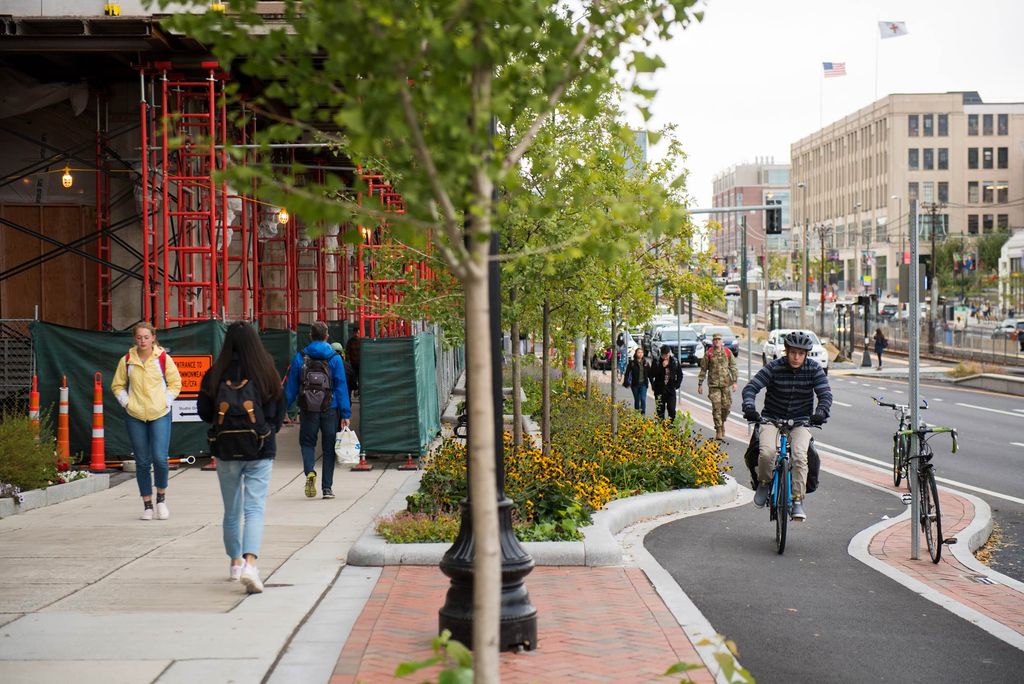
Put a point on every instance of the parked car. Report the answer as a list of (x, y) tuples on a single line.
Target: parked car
[(699, 327), (789, 303), (682, 341), (774, 347), (1010, 327), (731, 290), (889, 311), (729, 338)]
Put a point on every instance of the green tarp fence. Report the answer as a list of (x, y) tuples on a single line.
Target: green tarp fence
[(79, 354), (398, 394)]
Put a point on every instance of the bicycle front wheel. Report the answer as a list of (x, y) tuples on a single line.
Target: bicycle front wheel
[(899, 456), (781, 506), (931, 518)]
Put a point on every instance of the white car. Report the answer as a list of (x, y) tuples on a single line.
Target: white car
[(775, 348), (683, 342), (732, 290)]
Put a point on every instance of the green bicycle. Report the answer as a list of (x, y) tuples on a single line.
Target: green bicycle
[(929, 514), (900, 442)]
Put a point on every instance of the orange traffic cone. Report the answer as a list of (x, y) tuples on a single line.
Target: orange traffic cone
[(362, 466), (409, 464), (33, 404), (63, 433), (97, 455)]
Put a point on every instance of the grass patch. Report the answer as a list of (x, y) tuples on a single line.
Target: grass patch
[(967, 368)]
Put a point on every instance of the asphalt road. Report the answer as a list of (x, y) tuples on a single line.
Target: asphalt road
[(816, 614)]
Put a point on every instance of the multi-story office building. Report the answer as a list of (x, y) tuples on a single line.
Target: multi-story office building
[(856, 177), (752, 184)]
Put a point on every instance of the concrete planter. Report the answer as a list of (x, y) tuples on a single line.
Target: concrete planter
[(37, 498)]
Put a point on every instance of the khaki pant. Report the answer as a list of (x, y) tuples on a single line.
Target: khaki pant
[(800, 440), (721, 403)]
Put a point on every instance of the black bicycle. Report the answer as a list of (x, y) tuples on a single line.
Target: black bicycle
[(900, 442), (780, 499), (929, 514)]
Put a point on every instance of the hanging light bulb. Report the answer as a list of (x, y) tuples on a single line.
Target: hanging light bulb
[(282, 216), (66, 180)]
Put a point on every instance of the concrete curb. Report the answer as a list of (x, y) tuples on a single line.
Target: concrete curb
[(37, 498), (598, 548)]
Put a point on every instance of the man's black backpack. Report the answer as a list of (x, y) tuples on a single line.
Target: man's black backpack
[(315, 389), (240, 427)]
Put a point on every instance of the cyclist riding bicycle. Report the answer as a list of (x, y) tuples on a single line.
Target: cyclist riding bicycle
[(790, 385)]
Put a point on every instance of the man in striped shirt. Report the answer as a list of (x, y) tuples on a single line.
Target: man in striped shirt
[(790, 385)]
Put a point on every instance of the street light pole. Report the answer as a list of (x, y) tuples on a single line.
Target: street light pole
[(803, 271), (858, 270), (823, 232)]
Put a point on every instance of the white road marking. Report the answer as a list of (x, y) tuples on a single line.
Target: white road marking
[(1019, 410), (834, 401), (938, 399), (985, 408), (896, 391), (865, 384), (1020, 444)]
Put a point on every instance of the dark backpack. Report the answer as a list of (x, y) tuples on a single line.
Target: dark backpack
[(239, 427), (315, 388)]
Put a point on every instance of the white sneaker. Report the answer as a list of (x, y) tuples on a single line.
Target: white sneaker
[(162, 512), (250, 578), (147, 514), (236, 571)]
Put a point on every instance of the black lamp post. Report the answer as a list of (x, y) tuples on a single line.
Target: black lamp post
[(518, 626)]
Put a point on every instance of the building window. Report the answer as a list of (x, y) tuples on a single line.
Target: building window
[(972, 192), (987, 223), (944, 124), (881, 234), (927, 124), (1002, 157), (1003, 127), (1002, 192), (928, 192), (986, 124), (911, 191), (928, 159), (912, 125), (840, 235), (972, 124), (987, 191), (987, 158), (972, 224), (972, 157), (1003, 221), (943, 191), (943, 158), (912, 157)]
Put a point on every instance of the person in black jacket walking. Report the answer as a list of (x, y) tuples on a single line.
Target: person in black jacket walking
[(636, 378), (244, 477), (880, 344), (666, 377), (791, 384)]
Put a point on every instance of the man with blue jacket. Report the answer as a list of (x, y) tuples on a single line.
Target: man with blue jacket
[(316, 378)]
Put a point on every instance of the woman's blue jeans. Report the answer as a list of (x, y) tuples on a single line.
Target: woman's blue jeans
[(150, 441), (640, 398), (243, 487)]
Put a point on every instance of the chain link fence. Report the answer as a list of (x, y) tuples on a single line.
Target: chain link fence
[(15, 365)]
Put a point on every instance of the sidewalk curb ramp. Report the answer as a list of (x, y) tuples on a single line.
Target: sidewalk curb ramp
[(598, 548)]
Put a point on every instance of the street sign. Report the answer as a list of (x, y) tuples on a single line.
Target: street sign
[(192, 368)]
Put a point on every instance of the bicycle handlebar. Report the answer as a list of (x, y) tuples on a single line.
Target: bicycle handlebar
[(904, 407), (787, 423), (934, 430)]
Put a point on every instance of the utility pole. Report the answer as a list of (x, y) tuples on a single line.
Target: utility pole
[(933, 210), (803, 273), (743, 266), (823, 232)]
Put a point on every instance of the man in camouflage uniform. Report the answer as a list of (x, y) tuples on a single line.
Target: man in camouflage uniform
[(719, 367)]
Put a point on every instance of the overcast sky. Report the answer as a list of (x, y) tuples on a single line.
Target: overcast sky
[(747, 81)]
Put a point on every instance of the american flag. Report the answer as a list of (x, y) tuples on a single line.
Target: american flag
[(834, 69)]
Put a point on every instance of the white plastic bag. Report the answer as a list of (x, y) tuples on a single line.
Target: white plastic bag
[(347, 447)]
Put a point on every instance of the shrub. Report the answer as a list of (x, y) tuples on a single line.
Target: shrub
[(26, 461), (404, 527)]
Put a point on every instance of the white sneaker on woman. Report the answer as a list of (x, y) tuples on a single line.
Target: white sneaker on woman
[(251, 579), (147, 514), (236, 571), (162, 512)]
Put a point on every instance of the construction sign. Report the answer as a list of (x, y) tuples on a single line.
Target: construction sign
[(192, 367)]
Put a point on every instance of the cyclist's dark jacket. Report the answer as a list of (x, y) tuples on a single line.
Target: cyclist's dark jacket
[(790, 391)]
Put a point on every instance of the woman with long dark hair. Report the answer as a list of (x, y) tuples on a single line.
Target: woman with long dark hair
[(241, 396)]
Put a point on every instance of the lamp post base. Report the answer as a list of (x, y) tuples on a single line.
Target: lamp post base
[(518, 627)]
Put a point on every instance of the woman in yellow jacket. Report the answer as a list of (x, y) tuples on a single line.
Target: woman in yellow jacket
[(145, 384)]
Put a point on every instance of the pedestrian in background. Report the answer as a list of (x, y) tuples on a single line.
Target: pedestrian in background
[(880, 344), (243, 386), (145, 383), (317, 380), (349, 374), (666, 378), (719, 367), (637, 377), (352, 356)]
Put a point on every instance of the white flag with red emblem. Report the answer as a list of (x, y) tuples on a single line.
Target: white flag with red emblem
[(892, 29)]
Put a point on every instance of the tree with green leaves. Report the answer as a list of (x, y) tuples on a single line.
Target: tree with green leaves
[(422, 85)]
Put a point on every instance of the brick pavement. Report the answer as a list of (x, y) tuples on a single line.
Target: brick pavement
[(596, 625)]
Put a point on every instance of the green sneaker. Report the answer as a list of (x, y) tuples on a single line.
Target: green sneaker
[(311, 485)]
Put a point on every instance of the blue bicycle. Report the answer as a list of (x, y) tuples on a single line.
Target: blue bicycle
[(780, 500)]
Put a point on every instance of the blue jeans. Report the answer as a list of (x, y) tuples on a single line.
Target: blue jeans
[(324, 424), (640, 398), (243, 486), (150, 441)]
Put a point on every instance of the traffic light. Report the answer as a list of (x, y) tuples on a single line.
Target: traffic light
[(773, 218)]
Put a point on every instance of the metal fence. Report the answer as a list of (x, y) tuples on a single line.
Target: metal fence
[(16, 365)]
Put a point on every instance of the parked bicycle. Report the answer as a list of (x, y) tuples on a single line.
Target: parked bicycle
[(929, 514), (900, 443), (780, 500)]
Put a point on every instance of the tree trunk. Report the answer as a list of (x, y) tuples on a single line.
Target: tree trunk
[(615, 373), (587, 352), (517, 383), (482, 447), (545, 424)]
